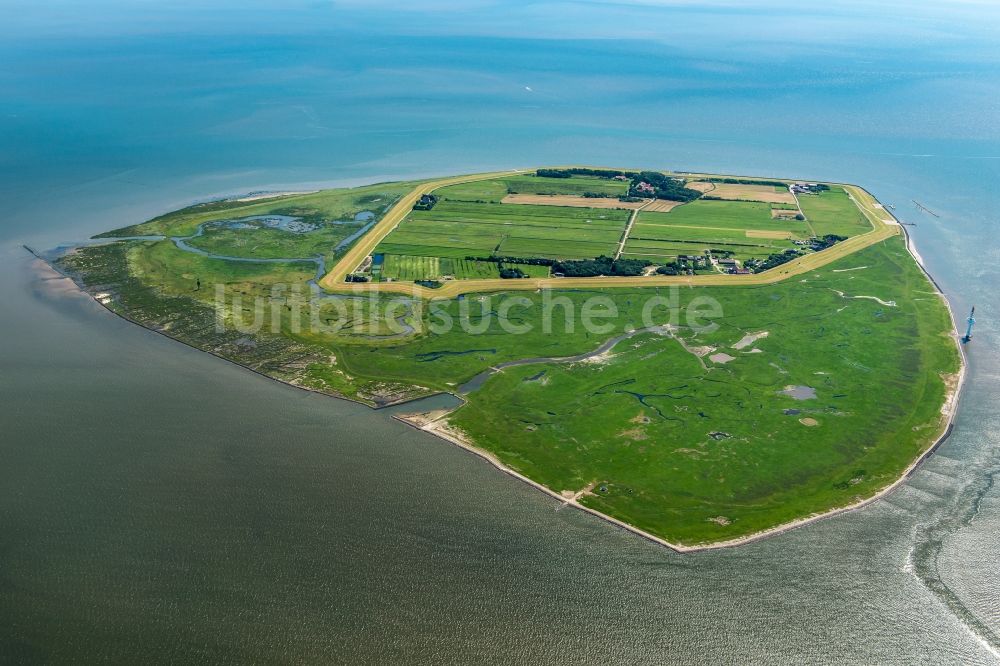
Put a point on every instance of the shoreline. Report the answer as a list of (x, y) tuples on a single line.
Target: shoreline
[(441, 428), (336, 396)]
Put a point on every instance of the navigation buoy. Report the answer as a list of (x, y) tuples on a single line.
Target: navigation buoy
[(968, 331)]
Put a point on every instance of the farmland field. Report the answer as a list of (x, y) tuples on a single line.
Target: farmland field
[(483, 218), (496, 189), (745, 192), (659, 252), (399, 267), (723, 214), (458, 229), (572, 200), (833, 212), (744, 228), (483, 190), (407, 267), (576, 185), (679, 232)]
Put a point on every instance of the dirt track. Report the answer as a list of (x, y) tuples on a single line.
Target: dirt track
[(662, 206)]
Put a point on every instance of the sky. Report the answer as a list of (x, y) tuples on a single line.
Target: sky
[(767, 23)]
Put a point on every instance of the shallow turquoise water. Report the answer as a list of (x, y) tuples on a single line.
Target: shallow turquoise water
[(157, 504)]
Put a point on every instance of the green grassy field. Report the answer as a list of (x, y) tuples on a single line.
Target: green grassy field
[(719, 217), (710, 225), (400, 267), (319, 207), (411, 268), (659, 252), (496, 189), (728, 225), (833, 212), (687, 448), (696, 451), (574, 185), (266, 243), (470, 221), (462, 229), (179, 272), (725, 215)]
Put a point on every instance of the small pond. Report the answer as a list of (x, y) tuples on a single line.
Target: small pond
[(799, 392)]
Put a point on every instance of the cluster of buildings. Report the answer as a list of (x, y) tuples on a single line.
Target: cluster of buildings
[(426, 202), (804, 188), (732, 267), (692, 262), (689, 263)]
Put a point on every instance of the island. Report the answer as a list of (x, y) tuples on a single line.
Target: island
[(702, 359)]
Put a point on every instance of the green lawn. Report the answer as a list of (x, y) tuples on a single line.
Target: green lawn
[(833, 212)]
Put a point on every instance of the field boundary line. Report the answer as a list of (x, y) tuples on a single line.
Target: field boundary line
[(628, 228)]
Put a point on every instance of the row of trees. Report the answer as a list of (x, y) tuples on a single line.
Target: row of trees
[(602, 265), (663, 186), (528, 261), (580, 171), (773, 260), (747, 181), (826, 241)]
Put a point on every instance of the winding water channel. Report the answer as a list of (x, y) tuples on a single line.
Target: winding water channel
[(480, 379), (288, 224)]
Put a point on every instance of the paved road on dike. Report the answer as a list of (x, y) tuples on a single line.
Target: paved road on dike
[(883, 226)]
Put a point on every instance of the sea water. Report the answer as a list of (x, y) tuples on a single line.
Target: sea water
[(158, 504)]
